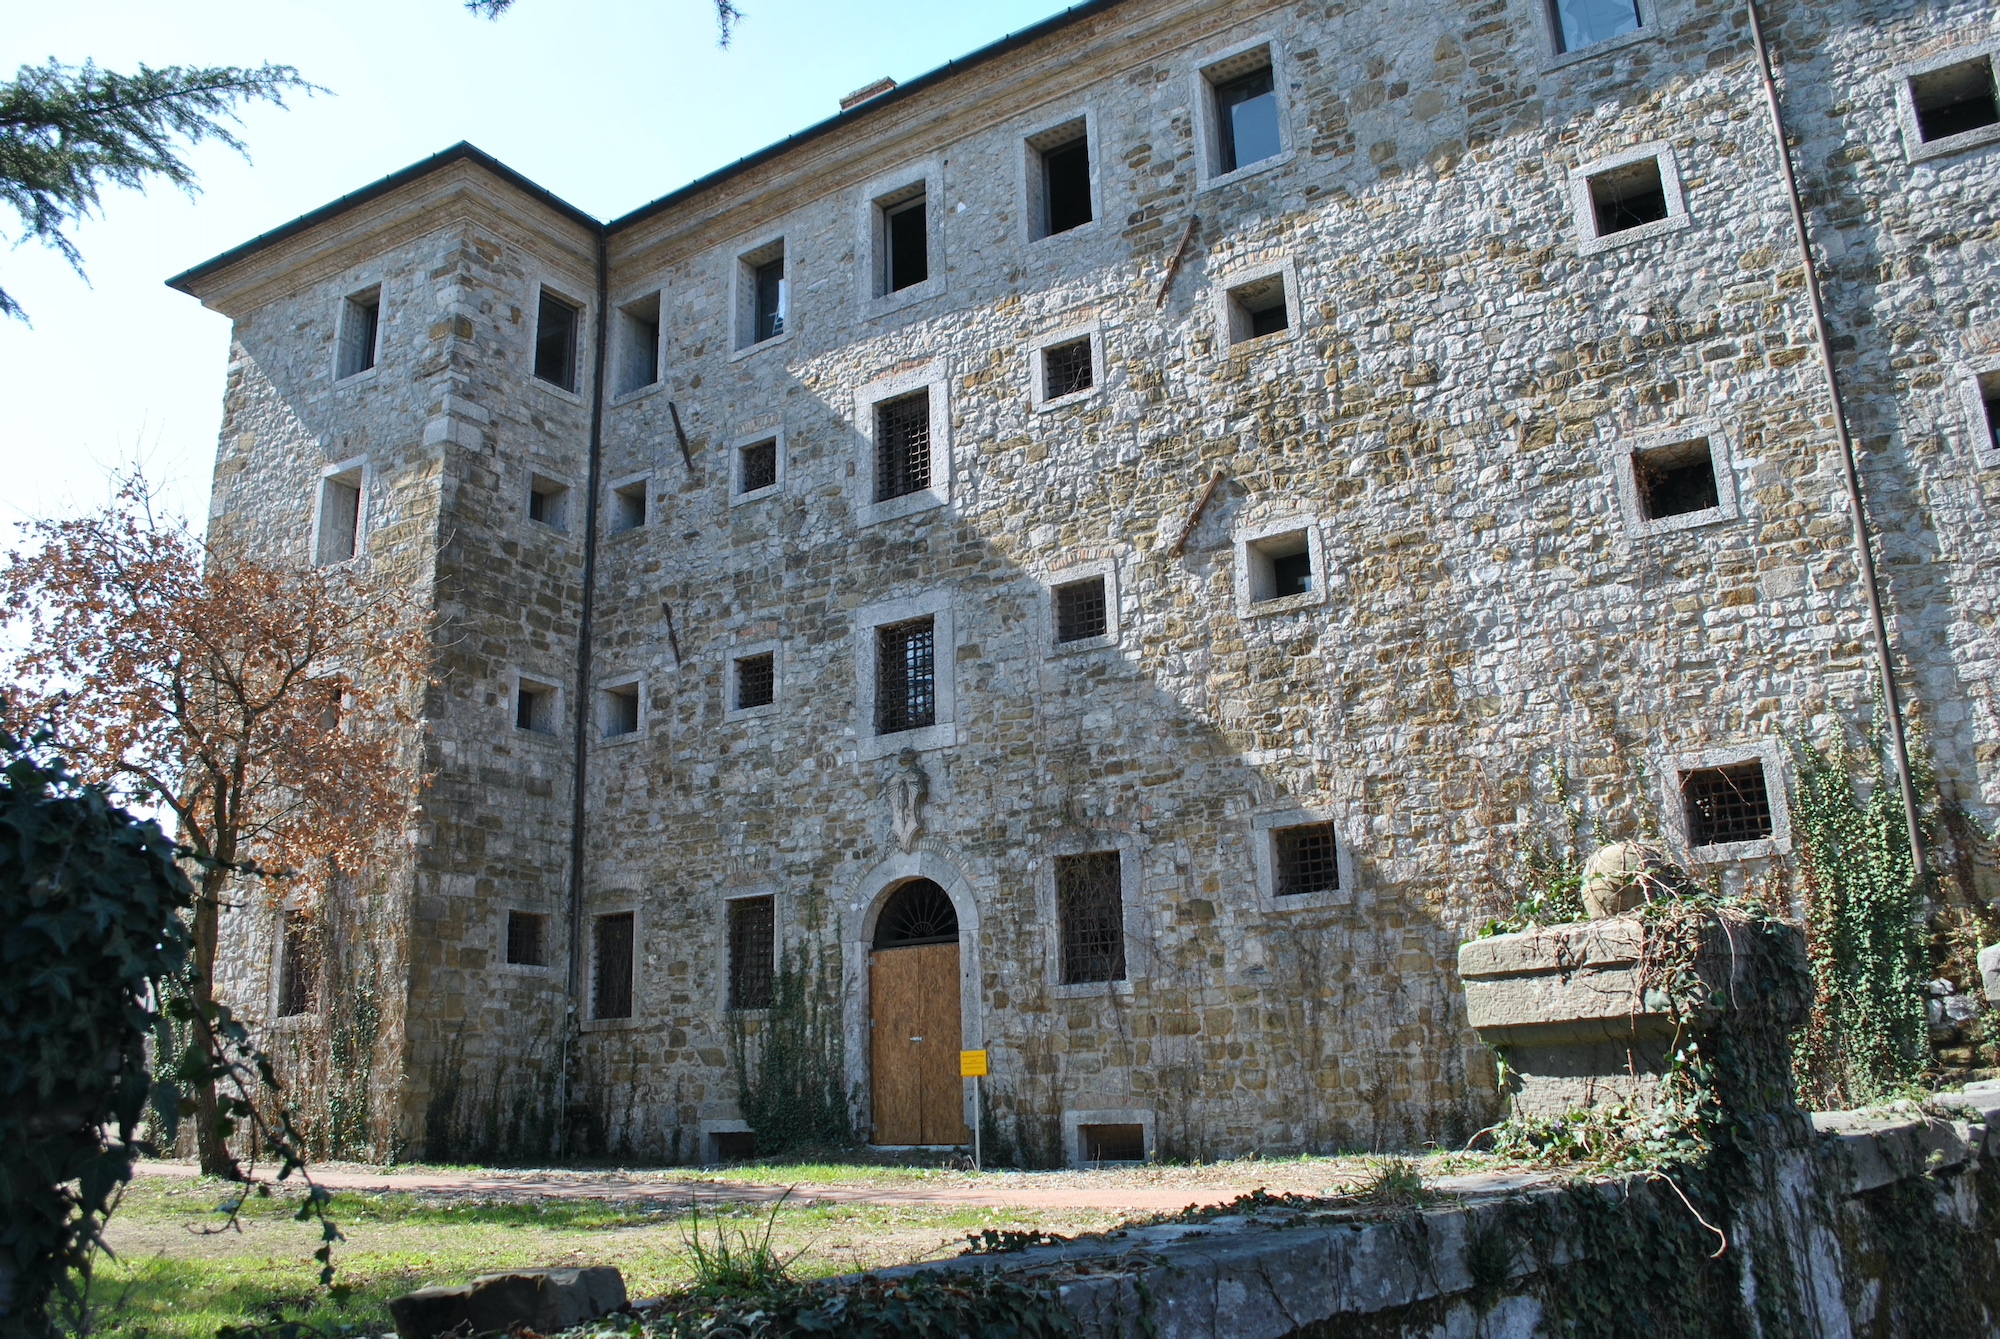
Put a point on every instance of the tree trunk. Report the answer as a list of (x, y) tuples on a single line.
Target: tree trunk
[(216, 1159)]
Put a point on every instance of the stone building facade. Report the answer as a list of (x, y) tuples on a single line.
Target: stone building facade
[(1128, 605)]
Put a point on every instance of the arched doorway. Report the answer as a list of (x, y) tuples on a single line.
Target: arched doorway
[(914, 1018)]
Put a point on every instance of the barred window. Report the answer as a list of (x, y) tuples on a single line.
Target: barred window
[(298, 965), (1066, 369), (905, 676), (1727, 804), (759, 465), (1080, 610), (756, 681), (1308, 859), (527, 939), (1090, 909), (753, 950), (611, 966), (902, 446)]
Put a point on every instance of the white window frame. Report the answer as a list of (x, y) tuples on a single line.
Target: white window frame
[(636, 682), (1264, 857), (1914, 147), (776, 650), (1285, 267), (1084, 570), (529, 479), (1208, 144), (549, 947), (743, 296), (1038, 371), (618, 486), (586, 325), (586, 1023), (722, 1009), (936, 605), (1583, 207), (1034, 203), (872, 238), (1776, 789), (1250, 535), (621, 347), (1649, 28), (343, 314), (1074, 1119), (1131, 857), (557, 710), (1972, 404), (339, 472), (1721, 456), (761, 430), (932, 377)]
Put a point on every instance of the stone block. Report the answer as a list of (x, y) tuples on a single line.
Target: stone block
[(1989, 971), (543, 1300)]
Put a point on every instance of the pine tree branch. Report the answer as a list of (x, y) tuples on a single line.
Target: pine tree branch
[(727, 15)]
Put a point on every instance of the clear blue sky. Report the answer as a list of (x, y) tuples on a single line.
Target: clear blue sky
[(608, 103)]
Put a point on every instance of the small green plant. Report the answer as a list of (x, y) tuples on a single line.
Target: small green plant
[(792, 1091), (1548, 890), (738, 1264), (1394, 1183), (1002, 1241)]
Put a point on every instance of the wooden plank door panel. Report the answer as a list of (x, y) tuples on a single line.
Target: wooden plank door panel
[(914, 1043)]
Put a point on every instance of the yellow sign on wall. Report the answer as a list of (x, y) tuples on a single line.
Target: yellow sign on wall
[(972, 1064)]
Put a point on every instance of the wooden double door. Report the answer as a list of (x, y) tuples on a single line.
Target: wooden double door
[(915, 1034)]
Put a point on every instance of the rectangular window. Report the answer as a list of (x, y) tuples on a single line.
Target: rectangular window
[(628, 507), (298, 965), (753, 952), (1676, 480), (639, 360), (1246, 118), (360, 324), (1090, 910), (1112, 1143), (1280, 566), (770, 293), (1989, 399), (555, 342), (1582, 23), (535, 707), (1258, 308), (757, 466), (1726, 804), (1955, 99), (620, 711), (902, 446), (1628, 197), (548, 502), (1080, 610), (611, 966), (339, 518), (1308, 859), (905, 240), (1067, 369), (1060, 168), (756, 681), (527, 939), (905, 676)]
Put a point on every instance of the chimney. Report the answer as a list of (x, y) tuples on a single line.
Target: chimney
[(867, 93)]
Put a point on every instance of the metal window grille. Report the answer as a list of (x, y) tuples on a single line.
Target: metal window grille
[(1067, 369), (919, 912), (1090, 910), (1727, 804), (527, 943), (760, 466), (753, 951), (1676, 480), (905, 676), (902, 446), (756, 681), (1308, 860), (611, 966), (298, 966), (1080, 610)]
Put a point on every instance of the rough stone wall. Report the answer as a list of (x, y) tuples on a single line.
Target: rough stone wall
[(1448, 409)]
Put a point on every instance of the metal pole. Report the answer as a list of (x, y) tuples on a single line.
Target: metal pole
[(1863, 549), (977, 1165)]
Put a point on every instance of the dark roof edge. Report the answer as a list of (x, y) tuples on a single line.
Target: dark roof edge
[(991, 51), (461, 152)]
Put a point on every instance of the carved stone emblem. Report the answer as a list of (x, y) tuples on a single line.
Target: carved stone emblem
[(909, 788)]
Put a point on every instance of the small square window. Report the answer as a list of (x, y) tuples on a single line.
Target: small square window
[(757, 466), (360, 324), (1308, 859), (527, 939), (1623, 198), (298, 965), (1246, 116), (339, 536), (1954, 100), (548, 502), (1067, 369), (1724, 805), (1090, 915), (556, 327), (1676, 480), (902, 446), (1081, 611), (611, 966), (1582, 23), (1258, 308), (905, 676), (905, 240), (639, 359), (535, 707), (1281, 566), (628, 507), (1059, 180), (757, 680), (753, 952), (1112, 1143), (620, 711)]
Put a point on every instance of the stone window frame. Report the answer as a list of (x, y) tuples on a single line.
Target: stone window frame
[(1264, 857), (1074, 1118), (1669, 767), (1649, 30), (275, 994), (1914, 147), (1092, 330), (742, 285), (1242, 276), (722, 1011), (932, 376), (1252, 533), (1080, 570), (585, 1023), (1583, 208), (1722, 458), (769, 428), (614, 487), (616, 362), (361, 282), (560, 286), (511, 705), (1131, 850), (943, 733), (549, 944), (334, 473), (1028, 164), (1206, 144), (529, 474), (872, 241), (636, 680), (712, 1126), (776, 649), (1972, 404)]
